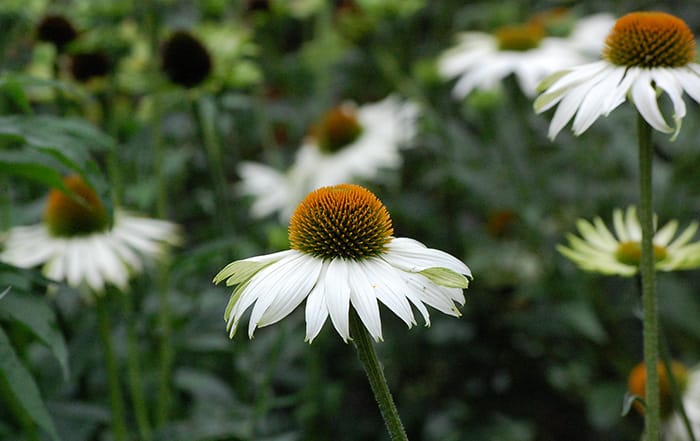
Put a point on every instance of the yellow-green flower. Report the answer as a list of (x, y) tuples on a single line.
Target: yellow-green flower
[(599, 250)]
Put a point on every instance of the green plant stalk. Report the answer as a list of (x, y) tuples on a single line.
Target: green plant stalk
[(149, 15), (134, 372), (375, 374), (116, 400), (646, 268), (263, 397), (206, 119)]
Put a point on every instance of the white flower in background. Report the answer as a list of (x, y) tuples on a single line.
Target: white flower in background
[(482, 60), (598, 250), (76, 244), (350, 144), (646, 53), (674, 428), (343, 255)]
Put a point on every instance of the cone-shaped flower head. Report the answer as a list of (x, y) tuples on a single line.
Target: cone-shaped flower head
[(56, 29), (519, 38), (185, 60), (636, 384), (338, 128), (598, 250), (343, 254), (79, 213), (645, 52), (77, 243)]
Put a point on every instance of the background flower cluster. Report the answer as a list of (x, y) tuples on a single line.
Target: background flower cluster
[(542, 350)]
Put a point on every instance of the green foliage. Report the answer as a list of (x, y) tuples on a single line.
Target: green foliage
[(542, 351)]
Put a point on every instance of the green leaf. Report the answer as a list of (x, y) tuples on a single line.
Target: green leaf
[(23, 387), (4, 293), (31, 165), (39, 319)]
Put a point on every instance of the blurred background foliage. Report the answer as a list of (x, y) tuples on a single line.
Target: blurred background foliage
[(542, 351)]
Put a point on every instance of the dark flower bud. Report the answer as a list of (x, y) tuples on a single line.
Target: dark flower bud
[(57, 30), (88, 65), (185, 60)]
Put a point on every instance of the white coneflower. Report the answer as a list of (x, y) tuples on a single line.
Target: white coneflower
[(77, 244), (645, 53), (349, 144), (343, 255), (482, 60)]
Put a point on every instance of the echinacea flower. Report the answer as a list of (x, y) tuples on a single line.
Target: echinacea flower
[(77, 244), (598, 250), (350, 144), (645, 53), (482, 60), (343, 255), (687, 383)]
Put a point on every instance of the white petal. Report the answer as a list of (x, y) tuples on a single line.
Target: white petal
[(297, 286), (387, 285), (644, 97), (282, 288), (337, 290), (411, 255), (364, 300), (592, 105), (690, 81), (669, 83), (316, 311), (438, 297)]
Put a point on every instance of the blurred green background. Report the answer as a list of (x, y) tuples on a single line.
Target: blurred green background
[(542, 351)]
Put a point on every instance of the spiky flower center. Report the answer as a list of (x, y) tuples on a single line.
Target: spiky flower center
[(77, 214), (637, 384), (650, 39), (338, 128), (519, 37), (630, 253), (346, 221)]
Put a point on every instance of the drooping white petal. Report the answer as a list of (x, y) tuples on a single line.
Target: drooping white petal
[(364, 300), (411, 255), (438, 297), (386, 285), (592, 105), (644, 97), (690, 81), (298, 284), (337, 290), (316, 311)]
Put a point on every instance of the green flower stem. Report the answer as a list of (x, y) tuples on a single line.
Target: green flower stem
[(375, 374), (134, 372), (205, 112), (646, 269), (116, 399), (148, 11)]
